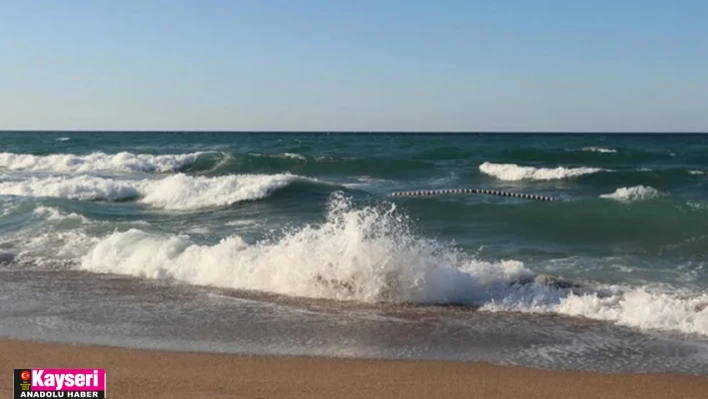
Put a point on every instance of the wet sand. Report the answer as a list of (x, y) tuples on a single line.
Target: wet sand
[(138, 374)]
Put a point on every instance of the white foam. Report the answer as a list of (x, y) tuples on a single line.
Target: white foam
[(199, 230), (513, 172), (178, 191), (293, 155), (54, 214), (286, 155), (238, 223), (188, 192), (636, 193), (50, 248), (698, 206), (371, 255), (365, 255), (697, 172), (599, 149), (634, 307), (79, 187), (64, 139), (97, 161), (368, 181)]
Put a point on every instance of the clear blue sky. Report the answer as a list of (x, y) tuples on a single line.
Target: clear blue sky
[(355, 65)]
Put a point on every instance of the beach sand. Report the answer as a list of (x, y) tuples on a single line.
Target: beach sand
[(156, 374)]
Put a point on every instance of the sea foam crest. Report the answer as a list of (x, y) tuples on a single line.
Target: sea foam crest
[(76, 187), (599, 149), (181, 191), (177, 191), (284, 155), (54, 214), (636, 307), (636, 193), (514, 172), (97, 161)]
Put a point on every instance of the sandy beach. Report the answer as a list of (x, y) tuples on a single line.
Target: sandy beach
[(155, 374)]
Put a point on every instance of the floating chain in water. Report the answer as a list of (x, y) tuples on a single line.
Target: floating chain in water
[(427, 193)]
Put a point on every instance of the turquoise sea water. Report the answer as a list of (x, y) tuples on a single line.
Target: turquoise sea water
[(309, 217)]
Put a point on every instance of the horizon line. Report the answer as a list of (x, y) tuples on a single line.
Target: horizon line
[(350, 131)]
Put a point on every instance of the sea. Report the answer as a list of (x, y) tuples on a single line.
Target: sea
[(295, 244)]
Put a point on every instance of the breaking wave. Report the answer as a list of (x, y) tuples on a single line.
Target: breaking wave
[(633, 307), (177, 191), (186, 192), (636, 193), (97, 162), (53, 214), (78, 187), (366, 255), (513, 172), (373, 255), (599, 149)]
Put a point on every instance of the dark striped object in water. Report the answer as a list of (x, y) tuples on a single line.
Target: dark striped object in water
[(428, 193)]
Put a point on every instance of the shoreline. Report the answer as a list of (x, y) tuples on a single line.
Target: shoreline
[(141, 373)]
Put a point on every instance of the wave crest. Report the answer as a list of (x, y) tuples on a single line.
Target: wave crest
[(178, 191), (54, 214), (187, 192), (633, 307), (599, 149), (636, 193), (89, 188), (96, 162), (366, 255), (372, 255), (514, 172)]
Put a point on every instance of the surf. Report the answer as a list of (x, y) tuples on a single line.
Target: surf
[(372, 254), (174, 192)]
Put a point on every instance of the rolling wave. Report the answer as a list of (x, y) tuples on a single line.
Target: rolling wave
[(636, 193), (77, 187), (97, 162), (639, 307), (513, 172), (364, 255), (177, 191), (371, 255), (186, 192)]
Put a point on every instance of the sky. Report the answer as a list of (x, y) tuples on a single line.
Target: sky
[(354, 65)]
